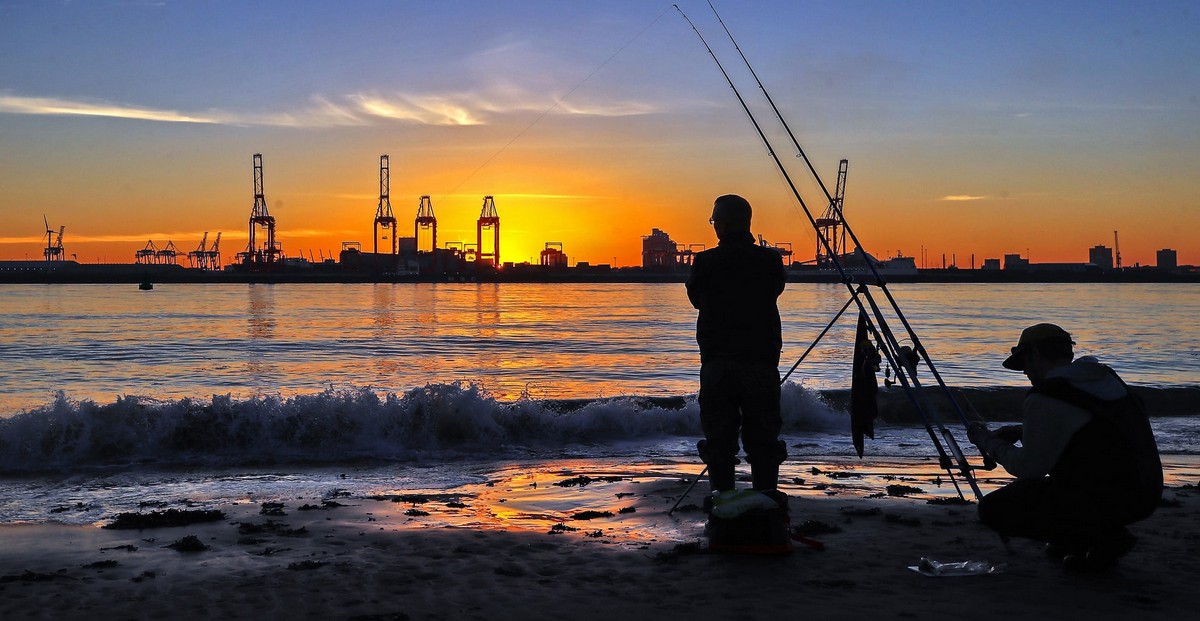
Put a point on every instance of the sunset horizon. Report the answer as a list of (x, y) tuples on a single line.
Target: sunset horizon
[(972, 131)]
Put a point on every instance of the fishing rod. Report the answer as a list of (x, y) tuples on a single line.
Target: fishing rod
[(964, 467), (917, 346)]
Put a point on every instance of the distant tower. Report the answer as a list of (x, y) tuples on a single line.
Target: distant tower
[(488, 219), (266, 255), (383, 214), (426, 221), (832, 225)]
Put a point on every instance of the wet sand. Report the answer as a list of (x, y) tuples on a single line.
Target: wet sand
[(516, 547)]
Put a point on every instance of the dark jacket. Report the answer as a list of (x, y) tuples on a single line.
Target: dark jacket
[(735, 287)]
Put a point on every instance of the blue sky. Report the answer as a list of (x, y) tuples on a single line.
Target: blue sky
[(971, 127)]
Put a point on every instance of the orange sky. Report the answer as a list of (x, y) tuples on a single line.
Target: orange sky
[(1040, 134)]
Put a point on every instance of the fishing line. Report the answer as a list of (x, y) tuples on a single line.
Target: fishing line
[(918, 399), (555, 104)]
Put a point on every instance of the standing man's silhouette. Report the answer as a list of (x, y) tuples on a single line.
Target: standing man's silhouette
[(735, 287)]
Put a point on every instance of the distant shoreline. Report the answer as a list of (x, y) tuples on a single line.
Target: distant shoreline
[(163, 274)]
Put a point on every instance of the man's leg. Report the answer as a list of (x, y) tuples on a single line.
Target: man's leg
[(761, 422), (719, 418)]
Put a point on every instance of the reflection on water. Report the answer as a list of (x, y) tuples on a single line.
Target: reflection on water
[(542, 340), (260, 311)]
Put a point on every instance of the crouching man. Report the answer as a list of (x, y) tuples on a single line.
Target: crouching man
[(1087, 464)]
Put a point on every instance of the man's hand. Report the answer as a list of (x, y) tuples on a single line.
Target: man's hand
[(1008, 433), (977, 433)]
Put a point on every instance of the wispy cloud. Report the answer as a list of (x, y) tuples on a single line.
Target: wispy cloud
[(52, 106), (354, 109), (963, 197)]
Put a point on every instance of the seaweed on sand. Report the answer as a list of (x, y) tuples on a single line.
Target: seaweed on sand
[(163, 519)]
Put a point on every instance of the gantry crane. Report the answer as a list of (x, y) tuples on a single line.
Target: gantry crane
[(54, 246), (168, 254), (488, 219), (196, 257), (147, 255), (383, 214), (426, 221), (212, 256), (266, 255), (831, 224)]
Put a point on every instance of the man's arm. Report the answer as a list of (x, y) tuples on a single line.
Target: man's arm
[(1048, 426), (697, 282)]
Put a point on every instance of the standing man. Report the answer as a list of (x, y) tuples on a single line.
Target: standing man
[(1087, 465), (735, 287)]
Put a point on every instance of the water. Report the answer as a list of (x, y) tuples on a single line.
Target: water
[(209, 391), (544, 341)]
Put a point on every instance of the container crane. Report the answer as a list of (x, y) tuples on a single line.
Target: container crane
[(196, 257), (54, 246), (212, 256), (383, 214), (168, 254), (426, 221), (488, 219), (831, 224), (266, 255), (147, 255)]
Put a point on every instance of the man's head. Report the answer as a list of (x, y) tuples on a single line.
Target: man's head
[(731, 214), (1041, 347)]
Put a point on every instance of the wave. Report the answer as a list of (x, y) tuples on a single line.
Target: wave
[(339, 425), (439, 421)]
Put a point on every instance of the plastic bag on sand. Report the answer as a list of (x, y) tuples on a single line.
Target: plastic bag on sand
[(930, 567)]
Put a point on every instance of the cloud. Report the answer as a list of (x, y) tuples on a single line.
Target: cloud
[(424, 109), (53, 106), (354, 109), (963, 197)]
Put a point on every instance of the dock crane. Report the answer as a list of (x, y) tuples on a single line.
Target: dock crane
[(1117, 248), (212, 256), (268, 254), (488, 219), (383, 214), (196, 257), (831, 224), (147, 255), (168, 254), (426, 220), (54, 246)]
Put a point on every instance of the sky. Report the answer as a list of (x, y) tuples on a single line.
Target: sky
[(972, 129)]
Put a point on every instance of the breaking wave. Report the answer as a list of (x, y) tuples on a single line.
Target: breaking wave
[(438, 421)]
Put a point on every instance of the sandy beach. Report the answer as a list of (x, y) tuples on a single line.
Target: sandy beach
[(521, 546)]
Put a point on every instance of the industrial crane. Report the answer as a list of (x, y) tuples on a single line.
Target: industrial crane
[(1117, 249), (831, 225), (383, 214), (488, 219), (147, 255), (196, 257), (212, 256), (425, 221), (54, 247), (168, 254), (266, 255)]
